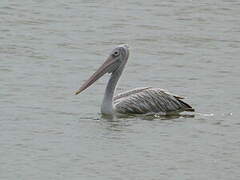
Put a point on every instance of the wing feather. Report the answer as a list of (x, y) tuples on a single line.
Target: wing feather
[(149, 100), (130, 92)]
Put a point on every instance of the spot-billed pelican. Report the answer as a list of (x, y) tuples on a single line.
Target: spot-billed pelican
[(145, 100)]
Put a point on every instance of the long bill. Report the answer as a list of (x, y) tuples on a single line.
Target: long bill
[(99, 73)]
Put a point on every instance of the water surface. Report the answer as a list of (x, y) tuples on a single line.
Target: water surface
[(48, 49)]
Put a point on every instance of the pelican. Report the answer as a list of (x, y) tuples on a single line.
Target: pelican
[(145, 100)]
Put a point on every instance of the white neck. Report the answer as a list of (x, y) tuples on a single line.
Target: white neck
[(107, 104)]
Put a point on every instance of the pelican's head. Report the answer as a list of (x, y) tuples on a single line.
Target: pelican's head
[(118, 57), (115, 62)]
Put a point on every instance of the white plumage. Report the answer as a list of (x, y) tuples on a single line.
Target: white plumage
[(145, 100), (149, 100)]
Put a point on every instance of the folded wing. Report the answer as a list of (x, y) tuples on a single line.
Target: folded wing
[(149, 100)]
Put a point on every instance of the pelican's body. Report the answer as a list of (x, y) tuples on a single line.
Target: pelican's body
[(149, 100), (145, 100)]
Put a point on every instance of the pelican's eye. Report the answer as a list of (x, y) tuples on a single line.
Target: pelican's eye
[(116, 53)]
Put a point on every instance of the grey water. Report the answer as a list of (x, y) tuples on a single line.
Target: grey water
[(49, 48)]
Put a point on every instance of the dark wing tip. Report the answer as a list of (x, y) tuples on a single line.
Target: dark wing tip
[(190, 110), (186, 106)]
